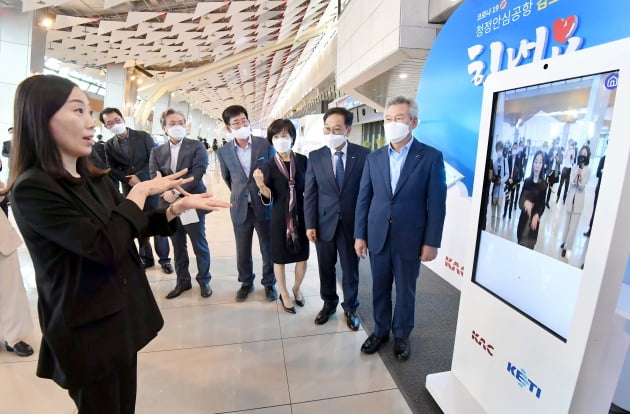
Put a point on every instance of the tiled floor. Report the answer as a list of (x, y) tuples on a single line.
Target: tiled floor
[(216, 355)]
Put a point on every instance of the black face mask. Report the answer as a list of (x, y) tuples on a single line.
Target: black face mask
[(582, 160)]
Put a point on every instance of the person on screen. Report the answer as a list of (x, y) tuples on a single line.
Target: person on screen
[(568, 161), (500, 174), (515, 175), (532, 203), (553, 171), (600, 169), (574, 204)]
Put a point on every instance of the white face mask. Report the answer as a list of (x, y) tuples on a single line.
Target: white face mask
[(282, 144), (242, 133), (396, 131), (118, 129), (177, 132), (334, 141)]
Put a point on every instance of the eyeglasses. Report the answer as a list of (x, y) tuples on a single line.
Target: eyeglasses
[(113, 122), (237, 123), (397, 118), (335, 131), (175, 123)]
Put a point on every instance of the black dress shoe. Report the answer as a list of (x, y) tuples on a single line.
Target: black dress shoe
[(352, 320), (286, 309), (299, 302), (147, 265), (324, 314), (179, 289), (243, 292), (21, 349), (206, 290), (402, 350), (167, 268), (373, 343), (270, 293)]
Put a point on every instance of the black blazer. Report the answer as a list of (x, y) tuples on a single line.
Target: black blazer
[(96, 308), (324, 203), (140, 146)]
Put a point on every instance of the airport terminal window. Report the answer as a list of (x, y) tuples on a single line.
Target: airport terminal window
[(373, 135)]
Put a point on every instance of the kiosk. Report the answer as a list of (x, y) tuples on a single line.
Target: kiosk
[(537, 330)]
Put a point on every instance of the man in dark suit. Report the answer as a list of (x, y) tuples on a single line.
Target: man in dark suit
[(238, 159), (330, 197), (174, 155), (6, 145), (399, 218), (513, 184), (127, 155)]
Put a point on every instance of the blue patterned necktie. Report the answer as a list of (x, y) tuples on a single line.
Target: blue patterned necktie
[(339, 169)]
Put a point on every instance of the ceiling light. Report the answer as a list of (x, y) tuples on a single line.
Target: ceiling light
[(403, 76), (47, 23)]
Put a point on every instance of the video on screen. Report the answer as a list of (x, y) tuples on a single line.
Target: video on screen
[(544, 166)]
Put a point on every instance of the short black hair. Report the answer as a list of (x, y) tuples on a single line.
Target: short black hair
[(232, 111), (170, 111), (109, 111), (347, 115), (280, 125)]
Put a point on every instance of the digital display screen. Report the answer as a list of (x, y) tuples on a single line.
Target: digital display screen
[(545, 159)]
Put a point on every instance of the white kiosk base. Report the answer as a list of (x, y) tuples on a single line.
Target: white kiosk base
[(451, 395)]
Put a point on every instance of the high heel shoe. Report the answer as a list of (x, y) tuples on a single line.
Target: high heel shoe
[(289, 310), (299, 302)]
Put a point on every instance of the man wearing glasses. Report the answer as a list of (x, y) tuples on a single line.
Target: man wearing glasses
[(238, 159), (127, 155), (330, 197)]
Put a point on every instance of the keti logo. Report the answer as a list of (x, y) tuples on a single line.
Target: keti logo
[(611, 81), (482, 342), (523, 381)]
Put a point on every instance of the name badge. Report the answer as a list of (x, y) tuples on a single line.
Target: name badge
[(189, 217)]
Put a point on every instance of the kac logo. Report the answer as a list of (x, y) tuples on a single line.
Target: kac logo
[(523, 381), (611, 81), (454, 266), (482, 342)]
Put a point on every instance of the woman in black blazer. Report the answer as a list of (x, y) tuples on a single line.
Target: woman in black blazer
[(96, 308)]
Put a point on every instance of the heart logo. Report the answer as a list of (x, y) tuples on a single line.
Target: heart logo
[(563, 29)]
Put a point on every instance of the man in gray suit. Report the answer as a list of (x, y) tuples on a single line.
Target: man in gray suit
[(175, 155), (238, 159), (330, 197)]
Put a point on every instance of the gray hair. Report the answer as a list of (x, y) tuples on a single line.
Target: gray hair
[(168, 112), (396, 100)]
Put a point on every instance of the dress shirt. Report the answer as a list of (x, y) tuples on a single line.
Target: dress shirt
[(244, 156), (344, 157), (174, 154), (396, 162), (124, 144)]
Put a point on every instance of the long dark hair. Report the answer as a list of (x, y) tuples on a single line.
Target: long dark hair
[(542, 154), (37, 99)]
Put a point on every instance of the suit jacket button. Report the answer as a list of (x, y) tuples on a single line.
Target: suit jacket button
[(389, 220), (124, 281)]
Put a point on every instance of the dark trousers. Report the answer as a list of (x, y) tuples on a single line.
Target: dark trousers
[(327, 258), (388, 267), (197, 234), (115, 394), (565, 177), (243, 234), (160, 243)]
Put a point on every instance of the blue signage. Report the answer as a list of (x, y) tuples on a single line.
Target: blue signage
[(486, 36), (523, 381)]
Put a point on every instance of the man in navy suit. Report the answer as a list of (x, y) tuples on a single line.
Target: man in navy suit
[(174, 155), (399, 218), (330, 197), (239, 159), (127, 155)]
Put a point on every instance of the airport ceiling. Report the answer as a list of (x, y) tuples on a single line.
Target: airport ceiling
[(211, 53)]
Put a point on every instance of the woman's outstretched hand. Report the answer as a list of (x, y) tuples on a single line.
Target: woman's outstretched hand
[(198, 201)]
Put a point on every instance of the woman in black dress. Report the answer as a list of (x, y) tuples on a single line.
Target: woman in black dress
[(281, 180), (532, 204)]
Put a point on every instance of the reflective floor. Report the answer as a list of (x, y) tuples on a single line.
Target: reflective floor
[(216, 355)]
